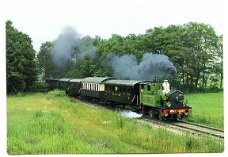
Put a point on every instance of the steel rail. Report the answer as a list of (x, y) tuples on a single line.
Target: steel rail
[(188, 127)]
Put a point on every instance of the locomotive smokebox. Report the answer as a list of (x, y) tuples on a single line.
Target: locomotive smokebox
[(176, 98)]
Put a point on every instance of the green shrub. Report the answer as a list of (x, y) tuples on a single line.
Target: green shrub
[(56, 94), (39, 86)]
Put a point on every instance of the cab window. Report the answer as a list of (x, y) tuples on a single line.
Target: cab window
[(148, 87)]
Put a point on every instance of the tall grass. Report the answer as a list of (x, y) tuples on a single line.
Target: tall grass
[(207, 108), (53, 123)]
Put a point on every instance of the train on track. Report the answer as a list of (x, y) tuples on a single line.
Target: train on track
[(152, 98)]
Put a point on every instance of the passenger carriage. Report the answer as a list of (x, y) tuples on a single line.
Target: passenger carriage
[(74, 87), (122, 91), (94, 86), (52, 83), (63, 83)]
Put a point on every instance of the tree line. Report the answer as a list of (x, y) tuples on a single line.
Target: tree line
[(194, 48)]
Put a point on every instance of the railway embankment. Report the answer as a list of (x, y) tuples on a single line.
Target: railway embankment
[(54, 123)]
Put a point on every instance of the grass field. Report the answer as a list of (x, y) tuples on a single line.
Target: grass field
[(56, 124), (207, 108)]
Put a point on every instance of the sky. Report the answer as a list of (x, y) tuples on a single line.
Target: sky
[(44, 20)]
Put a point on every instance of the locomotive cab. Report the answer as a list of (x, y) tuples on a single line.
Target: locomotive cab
[(150, 94), (159, 100)]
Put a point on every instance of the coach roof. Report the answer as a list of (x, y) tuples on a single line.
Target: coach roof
[(96, 79), (64, 79), (123, 82), (75, 80)]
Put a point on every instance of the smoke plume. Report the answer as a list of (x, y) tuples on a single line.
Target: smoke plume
[(151, 66), (70, 46)]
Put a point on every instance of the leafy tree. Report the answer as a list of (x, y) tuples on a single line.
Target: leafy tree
[(20, 60), (194, 48), (45, 64)]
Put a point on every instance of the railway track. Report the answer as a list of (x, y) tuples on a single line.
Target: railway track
[(189, 127), (181, 126), (203, 129)]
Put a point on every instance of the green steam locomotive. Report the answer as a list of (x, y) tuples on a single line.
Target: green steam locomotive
[(151, 98)]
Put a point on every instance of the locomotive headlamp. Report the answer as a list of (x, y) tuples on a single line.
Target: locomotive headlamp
[(171, 111)]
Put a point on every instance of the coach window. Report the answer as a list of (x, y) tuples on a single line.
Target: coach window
[(98, 86), (148, 87), (102, 87), (110, 88), (126, 90), (122, 90), (113, 88)]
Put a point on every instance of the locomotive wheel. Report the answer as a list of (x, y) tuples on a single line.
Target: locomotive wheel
[(151, 114), (160, 116), (179, 117)]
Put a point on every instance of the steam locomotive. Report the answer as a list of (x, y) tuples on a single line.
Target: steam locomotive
[(151, 98)]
